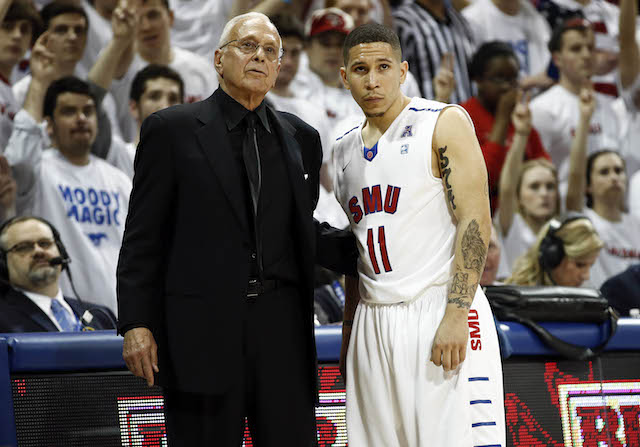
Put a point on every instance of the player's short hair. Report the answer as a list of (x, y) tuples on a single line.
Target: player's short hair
[(371, 33), (575, 23), (590, 162), (25, 10), (59, 7), (68, 84), (153, 71), (288, 25), (487, 51)]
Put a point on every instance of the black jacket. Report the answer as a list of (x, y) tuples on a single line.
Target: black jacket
[(184, 260)]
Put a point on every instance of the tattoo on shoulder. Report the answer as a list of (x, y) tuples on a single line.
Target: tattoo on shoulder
[(445, 169), (474, 250)]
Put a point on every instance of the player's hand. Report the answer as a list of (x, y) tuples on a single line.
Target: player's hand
[(450, 343), (444, 81), (8, 186), (346, 336), (521, 116), (140, 353)]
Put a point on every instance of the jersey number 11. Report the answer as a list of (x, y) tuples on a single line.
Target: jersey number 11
[(383, 250)]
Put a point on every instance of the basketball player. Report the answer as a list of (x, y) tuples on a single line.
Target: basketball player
[(413, 183)]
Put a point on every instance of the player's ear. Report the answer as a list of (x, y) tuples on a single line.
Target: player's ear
[(404, 68), (345, 81), (217, 61)]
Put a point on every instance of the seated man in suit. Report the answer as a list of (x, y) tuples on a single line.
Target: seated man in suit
[(31, 259)]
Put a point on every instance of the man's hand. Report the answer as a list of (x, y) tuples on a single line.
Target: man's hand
[(123, 22), (140, 353), (444, 82), (42, 63), (587, 102), (346, 336), (450, 343), (7, 185)]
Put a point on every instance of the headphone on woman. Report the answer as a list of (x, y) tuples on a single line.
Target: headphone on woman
[(551, 251), (64, 255)]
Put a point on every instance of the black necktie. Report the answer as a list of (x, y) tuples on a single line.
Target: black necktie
[(251, 158)]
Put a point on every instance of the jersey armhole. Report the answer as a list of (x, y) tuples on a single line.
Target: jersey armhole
[(430, 149)]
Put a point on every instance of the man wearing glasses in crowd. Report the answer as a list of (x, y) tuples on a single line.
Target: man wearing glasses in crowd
[(215, 277)]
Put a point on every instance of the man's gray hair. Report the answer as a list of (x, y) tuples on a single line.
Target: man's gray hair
[(226, 31)]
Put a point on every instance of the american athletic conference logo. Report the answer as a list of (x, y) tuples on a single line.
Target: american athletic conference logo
[(370, 153)]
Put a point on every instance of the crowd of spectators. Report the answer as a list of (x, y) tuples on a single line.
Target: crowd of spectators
[(552, 86)]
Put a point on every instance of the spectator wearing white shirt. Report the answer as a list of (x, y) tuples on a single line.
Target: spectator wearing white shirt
[(556, 112), (154, 88), (85, 197)]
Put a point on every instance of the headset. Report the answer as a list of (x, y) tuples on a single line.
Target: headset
[(64, 259), (551, 250)]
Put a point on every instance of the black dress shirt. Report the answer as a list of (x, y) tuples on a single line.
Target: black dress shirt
[(275, 206)]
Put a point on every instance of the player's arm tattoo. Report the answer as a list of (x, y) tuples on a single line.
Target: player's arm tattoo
[(445, 170), (460, 290), (474, 250)]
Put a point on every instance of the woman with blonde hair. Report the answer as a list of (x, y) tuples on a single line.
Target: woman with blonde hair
[(562, 255)]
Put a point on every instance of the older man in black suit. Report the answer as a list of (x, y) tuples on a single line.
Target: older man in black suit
[(217, 260), (32, 258)]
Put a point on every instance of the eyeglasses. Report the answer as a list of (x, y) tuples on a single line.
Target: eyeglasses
[(25, 247), (247, 47)]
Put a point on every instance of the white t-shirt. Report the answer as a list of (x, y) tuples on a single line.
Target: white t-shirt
[(198, 24), (87, 204), (555, 114), (397, 208), (527, 32), (621, 246), (121, 155), (634, 194), (515, 243), (198, 74), (8, 109)]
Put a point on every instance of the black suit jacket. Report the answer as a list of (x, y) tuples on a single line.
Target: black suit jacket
[(184, 260), (19, 314)]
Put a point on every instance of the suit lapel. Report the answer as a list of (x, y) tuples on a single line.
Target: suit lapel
[(215, 144), (295, 166), (30, 309)]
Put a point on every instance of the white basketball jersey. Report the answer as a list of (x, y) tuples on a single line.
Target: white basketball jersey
[(397, 208)]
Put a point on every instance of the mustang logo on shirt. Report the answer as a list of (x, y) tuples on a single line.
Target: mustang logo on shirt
[(96, 238)]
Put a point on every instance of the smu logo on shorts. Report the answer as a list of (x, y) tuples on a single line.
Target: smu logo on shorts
[(407, 132), (372, 202), (474, 330)]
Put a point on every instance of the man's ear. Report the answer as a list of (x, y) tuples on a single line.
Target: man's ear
[(217, 62), (171, 18), (50, 128), (345, 81), (134, 110)]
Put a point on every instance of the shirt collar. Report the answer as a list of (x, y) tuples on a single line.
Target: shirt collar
[(235, 112)]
